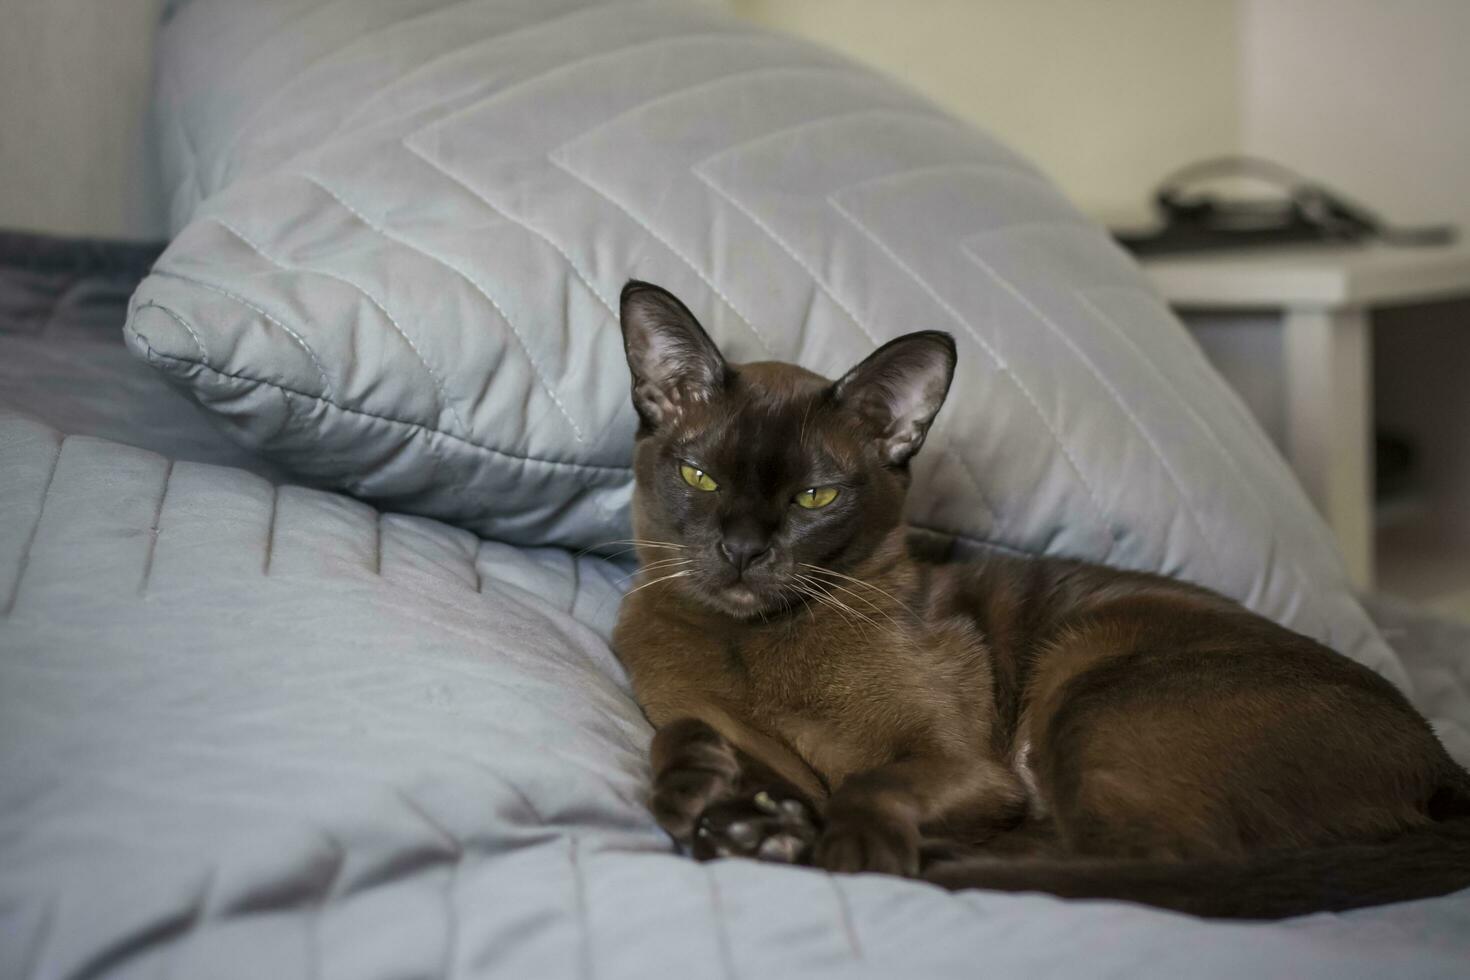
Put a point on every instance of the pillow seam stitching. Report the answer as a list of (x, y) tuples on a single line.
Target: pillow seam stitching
[(152, 354)]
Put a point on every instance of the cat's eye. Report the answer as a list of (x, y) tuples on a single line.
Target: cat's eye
[(814, 498), (697, 478)]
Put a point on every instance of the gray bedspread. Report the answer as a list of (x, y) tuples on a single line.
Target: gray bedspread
[(252, 730)]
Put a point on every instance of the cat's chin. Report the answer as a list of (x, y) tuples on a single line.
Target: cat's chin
[(739, 601)]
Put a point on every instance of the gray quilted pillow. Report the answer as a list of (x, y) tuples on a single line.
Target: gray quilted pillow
[(402, 228)]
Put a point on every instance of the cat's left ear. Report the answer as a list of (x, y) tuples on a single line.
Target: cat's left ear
[(671, 358), (899, 389)]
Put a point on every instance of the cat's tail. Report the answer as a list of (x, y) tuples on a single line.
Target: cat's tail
[(1424, 862)]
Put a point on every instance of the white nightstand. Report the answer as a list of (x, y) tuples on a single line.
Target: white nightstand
[(1314, 306)]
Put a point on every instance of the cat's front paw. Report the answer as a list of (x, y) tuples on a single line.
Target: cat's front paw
[(766, 826), (700, 769), (861, 841)]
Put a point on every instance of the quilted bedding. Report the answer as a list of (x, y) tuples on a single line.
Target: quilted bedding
[(262, 731), (258, 731)]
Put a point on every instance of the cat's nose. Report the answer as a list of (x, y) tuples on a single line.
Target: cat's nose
[(744, 548)]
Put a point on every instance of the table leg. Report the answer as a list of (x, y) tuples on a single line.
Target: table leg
[(1329, 424)]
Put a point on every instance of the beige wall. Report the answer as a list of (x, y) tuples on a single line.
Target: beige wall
[(74, 88), (1374, 98), (1105, 95), (1371, 96)]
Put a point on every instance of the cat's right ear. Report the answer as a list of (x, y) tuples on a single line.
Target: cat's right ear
[(672, 359)]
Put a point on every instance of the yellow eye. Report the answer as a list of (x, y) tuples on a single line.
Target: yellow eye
[(698, 479), (816, 497)]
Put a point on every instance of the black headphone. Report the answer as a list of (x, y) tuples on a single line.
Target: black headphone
[(1301, 203)]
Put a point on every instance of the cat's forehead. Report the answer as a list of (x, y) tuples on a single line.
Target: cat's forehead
[(778, 381), (775, 418)]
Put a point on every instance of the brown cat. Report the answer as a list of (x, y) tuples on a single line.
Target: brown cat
[(1019, 723)]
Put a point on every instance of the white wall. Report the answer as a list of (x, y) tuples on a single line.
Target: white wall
[(1105, 96), (1373, 97), (74, 89), (1369, 95)]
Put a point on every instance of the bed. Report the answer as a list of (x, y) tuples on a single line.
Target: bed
[(272, 703)]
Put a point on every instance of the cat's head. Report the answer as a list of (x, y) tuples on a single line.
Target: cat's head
[(756, 474)]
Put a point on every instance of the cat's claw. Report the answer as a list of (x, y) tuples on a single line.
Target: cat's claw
[(760, 826)]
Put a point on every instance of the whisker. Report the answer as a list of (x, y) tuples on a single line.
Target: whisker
[(635, 542), (860, 598), (808, 605), (654, 566), (664, 561), (687, 571), (865, 600), (821, 600), (835, 602), (857, 581), (856, 612)]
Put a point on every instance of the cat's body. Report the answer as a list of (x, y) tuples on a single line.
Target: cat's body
[(820, 695), (844, 690)]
